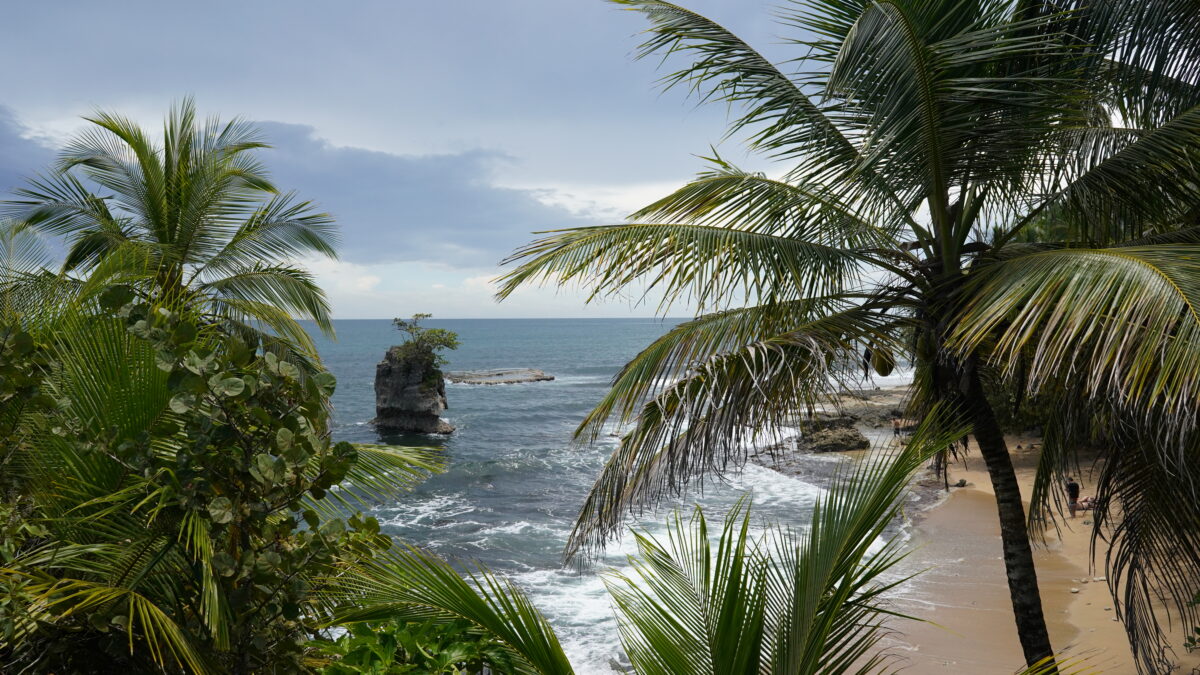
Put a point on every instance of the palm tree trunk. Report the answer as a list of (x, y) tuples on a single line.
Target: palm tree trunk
[(1018, 554)]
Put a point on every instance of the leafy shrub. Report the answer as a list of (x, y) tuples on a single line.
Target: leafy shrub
[(181, 489), (393, 648), (424, 344)]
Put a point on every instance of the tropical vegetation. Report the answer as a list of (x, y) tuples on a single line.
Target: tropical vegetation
[(1004, 193), (424, 345), (173, 502), (195, 212), (170, 486)]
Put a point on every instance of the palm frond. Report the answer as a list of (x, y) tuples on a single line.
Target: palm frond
[(281, 230), (706, 422), (165, 640), (380, 472), (726, 68), (289, 289), (675, 354), (728, 196), (410, 584), (705, 265), (265, 323), (60, 204), (1123, 321), (787, 602), (1149, 527), (684, 609), (785, 117), (1119, 185)]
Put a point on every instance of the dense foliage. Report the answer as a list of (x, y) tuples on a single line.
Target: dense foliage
[(180, 503), (170, 497), (416, 648)]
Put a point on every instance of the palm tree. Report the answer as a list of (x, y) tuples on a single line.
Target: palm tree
[(195, 212), (1004, 193)]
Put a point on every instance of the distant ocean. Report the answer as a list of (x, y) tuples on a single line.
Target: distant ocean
[(515, 482)]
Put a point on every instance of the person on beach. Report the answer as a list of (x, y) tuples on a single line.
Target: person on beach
[(895, 426), (1072, 495)]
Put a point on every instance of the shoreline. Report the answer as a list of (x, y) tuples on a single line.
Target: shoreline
[(957, 543), (960, 593)]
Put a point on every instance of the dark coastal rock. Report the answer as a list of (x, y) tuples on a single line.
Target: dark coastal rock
[(498, 376), (823, 421), (833, 439), (410, 395)]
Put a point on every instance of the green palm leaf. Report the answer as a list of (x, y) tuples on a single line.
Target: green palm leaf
[(702, 264), (786, 602), (1123, 321), (409, 584), (166, 642), (705, 422)]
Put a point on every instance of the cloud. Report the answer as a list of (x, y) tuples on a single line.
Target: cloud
[(420, 232), (385, 290), (20, 155), (403, 208)]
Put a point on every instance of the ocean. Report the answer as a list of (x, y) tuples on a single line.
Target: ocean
[(515, 481)]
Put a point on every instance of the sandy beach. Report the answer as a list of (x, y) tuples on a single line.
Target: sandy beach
[(970, 626), (960, 590)]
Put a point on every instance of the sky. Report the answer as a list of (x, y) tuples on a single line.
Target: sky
[(440, 135)]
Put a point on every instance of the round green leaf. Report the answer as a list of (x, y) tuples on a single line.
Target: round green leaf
[(182, 403), (221, 510), (231, 386)]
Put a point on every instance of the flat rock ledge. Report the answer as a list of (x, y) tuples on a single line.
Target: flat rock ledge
[(498, 376)]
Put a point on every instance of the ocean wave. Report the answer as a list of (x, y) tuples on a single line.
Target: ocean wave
[(579, 607), (418, 511)]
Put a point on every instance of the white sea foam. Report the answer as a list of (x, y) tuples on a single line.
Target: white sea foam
[(578, 605), (421, 512)]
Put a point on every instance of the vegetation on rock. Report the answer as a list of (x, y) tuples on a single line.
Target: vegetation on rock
[(424, 345)]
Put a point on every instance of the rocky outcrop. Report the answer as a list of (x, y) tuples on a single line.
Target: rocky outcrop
[(410, 394), (498, 376), (833, 435)]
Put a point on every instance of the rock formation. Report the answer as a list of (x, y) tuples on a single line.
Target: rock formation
[(831, 435), (410, 394), (498, 376)]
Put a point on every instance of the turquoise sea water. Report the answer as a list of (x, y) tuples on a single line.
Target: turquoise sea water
[(515, 481)]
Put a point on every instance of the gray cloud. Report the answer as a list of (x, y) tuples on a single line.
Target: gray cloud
[(395, 208), (548, 81), (391, 208), (19, 156)]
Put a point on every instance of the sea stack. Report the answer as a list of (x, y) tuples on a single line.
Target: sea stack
[(410, 394)]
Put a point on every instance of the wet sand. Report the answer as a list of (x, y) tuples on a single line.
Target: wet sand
[(963, 595)]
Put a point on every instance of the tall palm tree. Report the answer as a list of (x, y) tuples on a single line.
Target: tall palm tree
[(1005, 192), (194, 210)]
